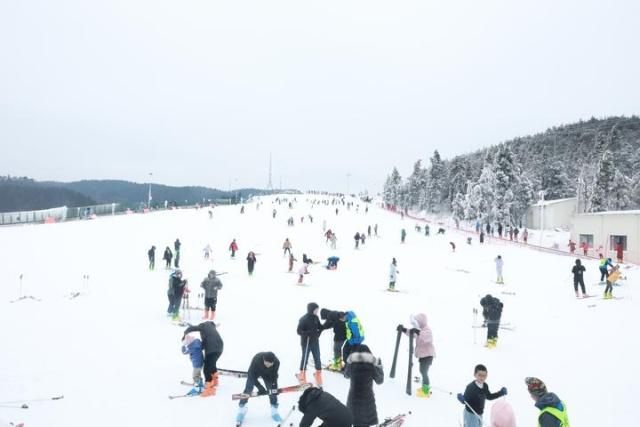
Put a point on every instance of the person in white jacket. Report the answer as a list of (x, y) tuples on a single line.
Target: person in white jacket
[(393, 274), (499, 263)]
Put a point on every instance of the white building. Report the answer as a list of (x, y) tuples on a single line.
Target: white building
[(552, 213), (603, 231)]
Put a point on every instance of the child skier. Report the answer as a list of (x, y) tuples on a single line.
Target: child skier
[(291, 261), (475, 395), (286, 247), (211, 285), (499, 264), (309, 329), (613, 277), (207, 251), (213, 347), (192, 345), (233, 247), (363, 369), (424, 351), (603, 263), (393, 274), (167, 257), (578, 279), (251, 262), (152, 257), (553, 412), (263, 365)]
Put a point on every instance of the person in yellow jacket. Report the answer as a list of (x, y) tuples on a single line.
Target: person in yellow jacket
[(553, 411), (613, 277)]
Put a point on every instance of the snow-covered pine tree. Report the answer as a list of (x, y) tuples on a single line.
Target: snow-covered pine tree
[(505, 181), (459, 174), (482, 196), (458, 207), (620, 192), (523, 196), (555, 181), (601, 187), (436, 183), (391, 192), (417, 183)]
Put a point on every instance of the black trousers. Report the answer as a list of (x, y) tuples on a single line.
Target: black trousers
[(314, 349), (581, 283), (210, 368), (492, 329)]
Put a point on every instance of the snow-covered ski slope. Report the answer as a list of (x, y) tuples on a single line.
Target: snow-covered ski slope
[(115, 357)]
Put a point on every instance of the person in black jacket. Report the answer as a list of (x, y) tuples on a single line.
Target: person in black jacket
[(167, 257), (264, 365), (251, 262), (492, 312), (213, 346), (475, 395), (176, 246), (578, 279), (335, 320), (363, 369), (177, 287), (152, 257), (316, 403), (309, 329)]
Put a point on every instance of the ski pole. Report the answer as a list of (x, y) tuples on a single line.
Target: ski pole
[(475, 322), (306, 356), (20, 296), (32, 400), (474, 412)]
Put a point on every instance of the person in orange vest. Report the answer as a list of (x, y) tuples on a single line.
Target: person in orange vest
[(613, 277)]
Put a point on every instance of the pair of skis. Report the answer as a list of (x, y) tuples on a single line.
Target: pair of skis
[(392, 374), (225, 372)]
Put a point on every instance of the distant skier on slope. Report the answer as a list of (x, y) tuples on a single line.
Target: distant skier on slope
[(499, 264), (578, 278), (233, 247), (393, 274), (167, 257), (152, 257), (251, 262)]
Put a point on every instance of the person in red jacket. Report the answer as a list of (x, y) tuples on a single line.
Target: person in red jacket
[(585, 248), (572, 246), (233, 247), (619, 252)]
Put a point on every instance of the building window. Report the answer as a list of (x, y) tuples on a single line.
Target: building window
[(586, 238), (614, 241)]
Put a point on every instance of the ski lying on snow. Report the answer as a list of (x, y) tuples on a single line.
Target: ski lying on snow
[(505, 327), (396, 421), (225, 372), (290, 389)]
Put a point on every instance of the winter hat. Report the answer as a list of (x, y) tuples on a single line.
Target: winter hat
[(535, 386), (311, 307), (212, 273)]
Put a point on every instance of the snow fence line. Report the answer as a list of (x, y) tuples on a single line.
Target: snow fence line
[(500, 240)]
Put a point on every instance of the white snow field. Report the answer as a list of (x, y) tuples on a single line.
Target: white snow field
[(116, 357)]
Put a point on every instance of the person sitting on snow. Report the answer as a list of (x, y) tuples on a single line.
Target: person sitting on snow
[(332, 263)]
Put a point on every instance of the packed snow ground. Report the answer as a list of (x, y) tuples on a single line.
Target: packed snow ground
[(115, 357)]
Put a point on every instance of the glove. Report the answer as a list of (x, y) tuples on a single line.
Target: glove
[(415, 331), (379, 362), (503, 390), (401, 328), (461, 398)]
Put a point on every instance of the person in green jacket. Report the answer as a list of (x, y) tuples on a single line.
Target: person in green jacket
[(553, 412)]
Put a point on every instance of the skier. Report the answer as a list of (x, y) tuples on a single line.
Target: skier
[(286, 246), (207, 251), (273, 213), (241, 209), (553, 412), (324, 225), (499, 264), (403, 235), (393, 274), (515, 233), (424, 351), (603, 263), (211, 285), (500, 230), (328, 234), (317, 403), (578, 271), (213, 347), (502, 414), (492, 312), (619, 252), (192, 345), (263, 365), (355, 334), (167, 257), (291, 261), (481, 236), (233, 247), (177, 288), (585, 248), (176, 246), (301, 272), (525, 236), (572, 246), (152, 257), (375, 230), (369, 231), (357, 239), (309, 329), (334, 239), (363, 369), (453, 246), (335, 320), (613, 277), (426, 230), (251, 262), (332, 263), (475, 395), (362, 238)]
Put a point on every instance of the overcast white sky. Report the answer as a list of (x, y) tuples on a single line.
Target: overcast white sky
[(199, 92)]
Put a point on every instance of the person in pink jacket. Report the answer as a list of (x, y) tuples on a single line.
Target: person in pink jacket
[(425, 352), (502, 414)]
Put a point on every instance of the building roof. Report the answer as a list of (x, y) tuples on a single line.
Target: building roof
[(633, 212), (553, 202)]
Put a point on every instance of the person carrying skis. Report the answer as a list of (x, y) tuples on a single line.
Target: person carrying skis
[(286, 247), (355, 334), (403, 235), (264, 365), (492, 312), (335, 320), (317, 403), (475, 395), (177, 288), (176, 246), (309, 329), (603, 263), (213, 347), (357, 239), (251, 262), (363, 369), (233, 247), (613, 277), (499, 264), (553, 412), (152, 257), (578, 279), (192, 345), (424, 351), (211, 285), (167, 257), (393, 274)]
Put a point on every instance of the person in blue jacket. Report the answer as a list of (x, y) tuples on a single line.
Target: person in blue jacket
[(355, 334), (332, 263), (192, 345)]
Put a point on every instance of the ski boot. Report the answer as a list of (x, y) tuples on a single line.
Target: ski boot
[(275, 416), (175, 317), (336, 365), (317, 376), (242, 411), (424, 391), (197, 389), (210, 387), (302, 377)]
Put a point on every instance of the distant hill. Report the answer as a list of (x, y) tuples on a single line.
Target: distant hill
[(24, 194)]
